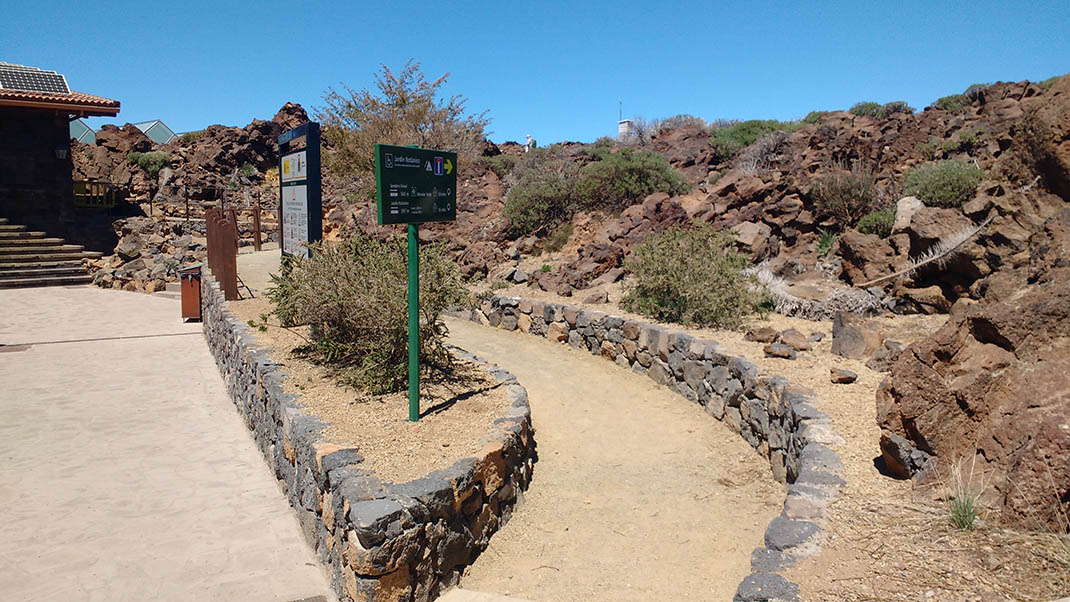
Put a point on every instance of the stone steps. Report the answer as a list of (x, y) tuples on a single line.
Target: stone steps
[(30, 258)]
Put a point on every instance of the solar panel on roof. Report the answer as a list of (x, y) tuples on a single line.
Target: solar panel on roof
[(19, 77)]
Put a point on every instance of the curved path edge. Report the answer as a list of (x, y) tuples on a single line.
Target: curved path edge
[(775, 416), (377, 541)]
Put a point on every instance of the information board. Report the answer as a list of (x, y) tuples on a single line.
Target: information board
[(300, 202), (415, 185)]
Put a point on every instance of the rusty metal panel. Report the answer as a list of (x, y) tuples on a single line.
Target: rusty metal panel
[(222, 231)]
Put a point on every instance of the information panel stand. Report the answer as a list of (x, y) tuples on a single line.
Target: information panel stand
[(414, 185), (300, 190)]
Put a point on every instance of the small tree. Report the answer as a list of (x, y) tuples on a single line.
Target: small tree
[(404, 109)]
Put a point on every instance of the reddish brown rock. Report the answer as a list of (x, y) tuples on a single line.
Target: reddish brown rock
[(992, 386)]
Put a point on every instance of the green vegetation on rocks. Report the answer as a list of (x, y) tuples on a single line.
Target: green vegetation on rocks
[(693, 277), (943, 183), (152, 162), (878, 222), (730, 139)]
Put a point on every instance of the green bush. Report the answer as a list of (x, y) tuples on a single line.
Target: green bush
[(626, 177), (499, 164), (730, 139), (943, 183), (878, 222), (891, 108), (152, 162), (694, 277), (844, 196), (248, 170), (870, 109), (928, 149), (813, 117), (1048, 83), (965, 142), (542, 197), (953, 103), (193, 136), (354, 296)]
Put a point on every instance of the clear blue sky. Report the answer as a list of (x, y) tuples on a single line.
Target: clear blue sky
[(554, 69)]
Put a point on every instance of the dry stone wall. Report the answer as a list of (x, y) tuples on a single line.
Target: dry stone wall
[(379, 541), (776, 417)]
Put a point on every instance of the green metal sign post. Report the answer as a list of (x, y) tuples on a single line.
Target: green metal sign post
[(414, 185)]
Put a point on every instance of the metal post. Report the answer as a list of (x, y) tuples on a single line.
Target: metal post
[(414, 325)]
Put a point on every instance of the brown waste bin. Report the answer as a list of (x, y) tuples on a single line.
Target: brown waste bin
[(191, 292)]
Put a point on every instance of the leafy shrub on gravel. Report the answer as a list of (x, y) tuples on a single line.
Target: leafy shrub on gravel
[(354, 297), (878, 222), (844, 196), (693, 277), (626, 177), (943, 183)]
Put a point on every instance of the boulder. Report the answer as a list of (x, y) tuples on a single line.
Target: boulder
[(905, 209), (865, 257), (885, 357), (853, 336), (990, 387)]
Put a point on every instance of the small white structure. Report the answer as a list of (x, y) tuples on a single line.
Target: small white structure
[(624, 129)]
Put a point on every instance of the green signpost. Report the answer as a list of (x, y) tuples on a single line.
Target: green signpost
[(414, 185)]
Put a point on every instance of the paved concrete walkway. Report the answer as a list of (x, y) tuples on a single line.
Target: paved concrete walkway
[(125, 471)]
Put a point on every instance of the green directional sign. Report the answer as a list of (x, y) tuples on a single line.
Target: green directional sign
[(415, 185)]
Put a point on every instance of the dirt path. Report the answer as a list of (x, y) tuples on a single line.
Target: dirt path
[(637, 494)]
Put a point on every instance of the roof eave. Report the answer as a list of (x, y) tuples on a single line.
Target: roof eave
[(81, 110)]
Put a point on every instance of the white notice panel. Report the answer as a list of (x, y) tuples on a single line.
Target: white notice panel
[(294, 167), (295, 220)]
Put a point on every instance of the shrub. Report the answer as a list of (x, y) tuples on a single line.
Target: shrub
[(694, 277), (626, 177), (546, 268), (763, 153), (730, 139), (825, 240), (928, 149), (247, 170), (1048, 83), (953, 103), (152, 162), (501, 165), (870, 109), (405, 108), (844, 196), (193, 136), (891, 108), (543, 196), (353, 295), (965, 142), (813, 117), (943, 183), (558, 238), (681, 120), (878, 222)]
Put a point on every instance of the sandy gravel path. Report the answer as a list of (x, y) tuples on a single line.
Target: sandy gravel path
[(637, 495)]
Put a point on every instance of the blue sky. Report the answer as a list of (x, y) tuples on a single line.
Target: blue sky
[(554, 69)]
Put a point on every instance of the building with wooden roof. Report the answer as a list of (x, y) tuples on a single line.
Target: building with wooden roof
[(36, 109)]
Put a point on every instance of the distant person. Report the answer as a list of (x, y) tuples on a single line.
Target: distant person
[(530, 144)]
